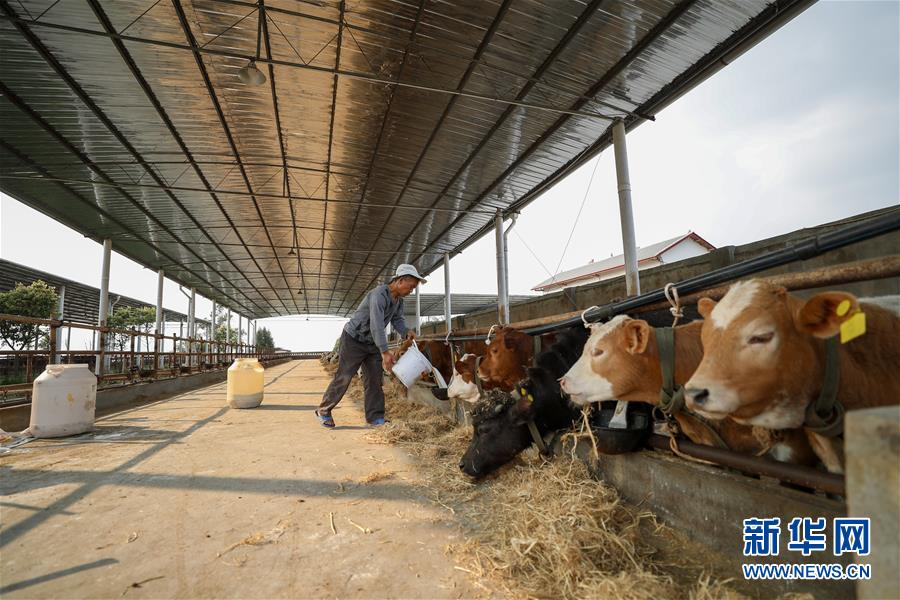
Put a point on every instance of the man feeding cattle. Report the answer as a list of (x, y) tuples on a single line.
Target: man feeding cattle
[(364, 343)]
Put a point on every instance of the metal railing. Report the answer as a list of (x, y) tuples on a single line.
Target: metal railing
[(124, 359)]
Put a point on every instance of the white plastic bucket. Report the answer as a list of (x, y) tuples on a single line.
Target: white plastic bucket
[(411, 365), (63, 401)]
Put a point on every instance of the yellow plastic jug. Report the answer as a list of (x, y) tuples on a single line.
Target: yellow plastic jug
[(245, 383)]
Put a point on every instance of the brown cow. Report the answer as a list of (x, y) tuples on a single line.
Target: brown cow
[(764, 359), (508, 356), (621, 361)]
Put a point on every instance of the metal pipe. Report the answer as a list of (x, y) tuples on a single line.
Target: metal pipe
[(447, 307), (418, 311), (503, 317), (514, 216), (160, 278), (626, 214), (811, 478)]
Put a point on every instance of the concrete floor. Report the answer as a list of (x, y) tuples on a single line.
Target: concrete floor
[(159, 500)]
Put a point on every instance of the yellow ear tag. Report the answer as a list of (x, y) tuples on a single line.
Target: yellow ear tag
[(842, 308), (853, 327), (530, 399)]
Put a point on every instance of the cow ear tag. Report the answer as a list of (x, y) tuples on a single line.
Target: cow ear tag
[(842, 308), (853, 327)]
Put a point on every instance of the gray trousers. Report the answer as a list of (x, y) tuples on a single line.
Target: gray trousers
[(353, 355)]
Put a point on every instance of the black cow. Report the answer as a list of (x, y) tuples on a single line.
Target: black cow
[(500, 421)]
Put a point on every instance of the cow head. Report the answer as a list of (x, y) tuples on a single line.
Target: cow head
[(760, 359), (500, 424), (506, 357), (462, 385), (612, 363)]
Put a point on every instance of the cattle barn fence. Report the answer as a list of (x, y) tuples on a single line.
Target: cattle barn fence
[(714, 284), (170, 356)]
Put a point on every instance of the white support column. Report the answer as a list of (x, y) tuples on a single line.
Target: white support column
[(212, 323), (192, 315), (626, 215), (240, 335), (160, 278), (501, 276), (104, 284), (60, 313), (104, 302), (418, 311), (228, 327), (447, 307)]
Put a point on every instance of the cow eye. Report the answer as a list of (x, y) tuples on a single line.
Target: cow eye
[(596, 352), (762, 338)]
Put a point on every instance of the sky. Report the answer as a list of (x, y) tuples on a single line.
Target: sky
[(801, 130)]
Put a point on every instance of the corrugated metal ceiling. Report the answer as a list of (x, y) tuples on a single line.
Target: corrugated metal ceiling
[(385, 132)]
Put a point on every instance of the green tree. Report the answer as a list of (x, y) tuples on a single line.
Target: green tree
[(221, 330), (264, 339), (127, 317), (36, 300)]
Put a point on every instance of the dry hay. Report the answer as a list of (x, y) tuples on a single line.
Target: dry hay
[(376, 476), (544, 529)]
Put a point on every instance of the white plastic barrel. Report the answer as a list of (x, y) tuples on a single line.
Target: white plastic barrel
[(63, 401), (245, 383), (411, 365)]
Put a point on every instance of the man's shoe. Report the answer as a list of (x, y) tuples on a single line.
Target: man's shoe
[(326, 420), (378, 422)]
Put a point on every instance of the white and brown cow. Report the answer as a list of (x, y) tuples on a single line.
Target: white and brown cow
[(764, 359), (621, 361)]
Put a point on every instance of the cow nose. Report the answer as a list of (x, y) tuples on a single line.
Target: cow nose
[(471, 471), (696, 396)]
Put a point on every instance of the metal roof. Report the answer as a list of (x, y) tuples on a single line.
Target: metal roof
[(385, 131), (432, 305), (82, 302)]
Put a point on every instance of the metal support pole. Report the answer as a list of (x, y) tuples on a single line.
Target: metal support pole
[(626, 215), (418, 311), (228, 336), (104, 304), (60, 312), (160, 278), (506, 268), (501, 276), (447, 307)]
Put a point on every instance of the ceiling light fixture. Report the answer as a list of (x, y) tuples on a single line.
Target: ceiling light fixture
[(250, 75)]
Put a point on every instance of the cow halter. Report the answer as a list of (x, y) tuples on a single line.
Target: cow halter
[(521, 393), (825, 416), (671, 395)]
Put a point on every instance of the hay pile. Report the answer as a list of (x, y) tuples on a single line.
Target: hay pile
[(544, 529)]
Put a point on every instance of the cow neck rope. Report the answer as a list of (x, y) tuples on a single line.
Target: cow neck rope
[(825, 416), (532, 428), (671, 395)]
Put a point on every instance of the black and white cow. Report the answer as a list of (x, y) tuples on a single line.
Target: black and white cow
[(500, 421)]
